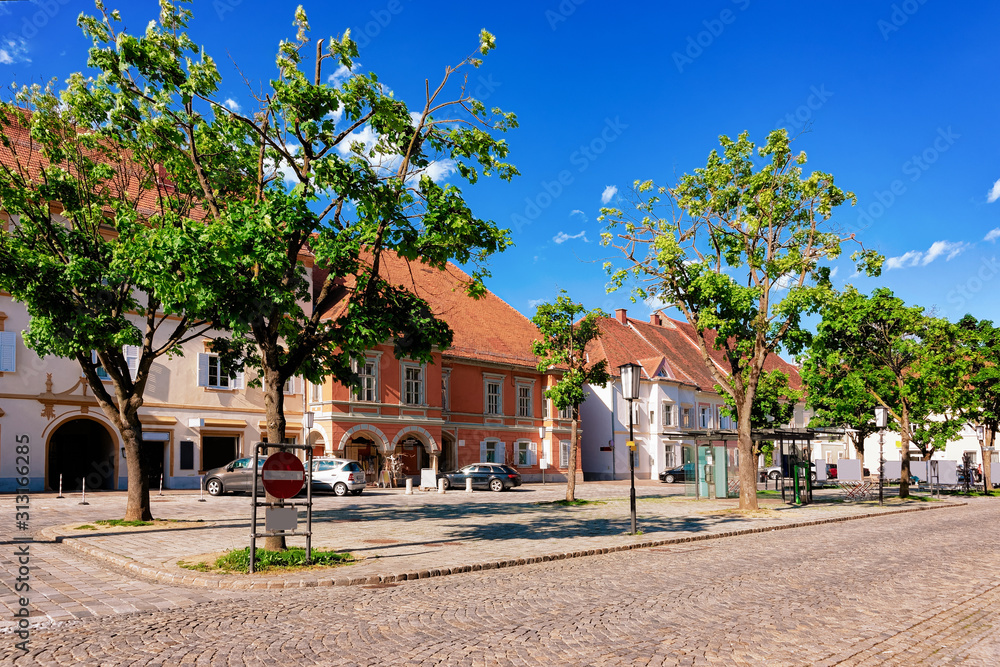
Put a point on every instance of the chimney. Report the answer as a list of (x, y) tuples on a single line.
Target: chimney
[(654, 319), (620, 315)]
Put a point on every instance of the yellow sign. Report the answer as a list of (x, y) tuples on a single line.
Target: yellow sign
[(631, 444)]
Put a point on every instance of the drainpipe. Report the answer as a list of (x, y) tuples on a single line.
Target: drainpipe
[(614, 407)]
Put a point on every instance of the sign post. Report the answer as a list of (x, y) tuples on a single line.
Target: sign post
[(282, 475)]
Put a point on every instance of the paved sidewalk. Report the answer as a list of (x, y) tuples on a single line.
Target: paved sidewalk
[(400, 537)]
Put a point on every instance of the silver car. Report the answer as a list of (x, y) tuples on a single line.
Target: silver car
[(338, 475)]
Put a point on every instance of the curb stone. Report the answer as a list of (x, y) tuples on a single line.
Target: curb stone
[(271, 583)]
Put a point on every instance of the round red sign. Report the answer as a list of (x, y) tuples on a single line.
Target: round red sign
[(283, 475)]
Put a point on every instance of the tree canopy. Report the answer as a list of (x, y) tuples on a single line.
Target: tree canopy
[(738, 248)]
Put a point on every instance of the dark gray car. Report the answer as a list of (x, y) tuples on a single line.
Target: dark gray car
[(492, 476), (234, 476)]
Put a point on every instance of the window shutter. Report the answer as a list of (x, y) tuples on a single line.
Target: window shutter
[(564, 453), (202, 369), (482, 450), (501, 452), (132, 353), (240, 381), (533, 454), (8, 351)]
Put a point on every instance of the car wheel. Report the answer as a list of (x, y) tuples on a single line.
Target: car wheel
[(214, 487), (496, 484), (812, 477), (447, 484), (773, 475), (669, 479), (340, 489), (356, 492)]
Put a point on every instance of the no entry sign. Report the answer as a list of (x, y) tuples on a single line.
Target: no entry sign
[(283, 475)]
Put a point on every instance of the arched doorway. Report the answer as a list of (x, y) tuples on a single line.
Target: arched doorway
[(82, 449), (449, 453)]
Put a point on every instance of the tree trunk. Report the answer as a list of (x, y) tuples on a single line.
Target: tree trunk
[(571, 473), (137, 505), (904, 475), (748, 464), (274, 406), (987, 462)]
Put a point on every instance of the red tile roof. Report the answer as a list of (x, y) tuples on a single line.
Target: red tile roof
[(675, 342), (486, 329)]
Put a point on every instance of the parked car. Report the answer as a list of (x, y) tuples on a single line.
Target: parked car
[(234, 476), (492, 476), (342, 476), (678, 474), (774, 472)]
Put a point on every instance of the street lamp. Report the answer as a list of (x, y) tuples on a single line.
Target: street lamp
[(630, 391), (981, 435), (881, 419)]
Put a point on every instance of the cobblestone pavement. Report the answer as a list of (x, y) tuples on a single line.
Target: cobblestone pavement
[(909, 589)]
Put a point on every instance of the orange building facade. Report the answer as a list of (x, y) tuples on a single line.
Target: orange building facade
[(482, 399)]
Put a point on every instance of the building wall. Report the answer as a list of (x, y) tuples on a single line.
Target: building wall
[(45, 394)]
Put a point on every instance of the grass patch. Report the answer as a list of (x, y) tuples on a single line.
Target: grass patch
[(123, 523), (768, 494), (200, 567), (290, 559), (573, 503), (86, 526)]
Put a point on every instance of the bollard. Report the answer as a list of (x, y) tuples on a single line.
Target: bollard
[(441, 485), (60, 487), (202, 498), (409, 486), (468, 485), (84, 501), (161, 485)]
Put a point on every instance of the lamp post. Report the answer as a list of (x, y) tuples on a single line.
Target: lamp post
[(630, 391), (881, 419)]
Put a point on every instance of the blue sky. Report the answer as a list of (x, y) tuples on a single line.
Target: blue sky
[(898, 100)]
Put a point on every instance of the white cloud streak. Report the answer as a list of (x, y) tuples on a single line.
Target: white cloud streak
[(948, 249), (562, 237), (992, 235), (994, 193), (608, 194), (13, 50)]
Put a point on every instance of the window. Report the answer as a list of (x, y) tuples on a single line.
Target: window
[(686, 418), (367, 390), (667, 415), (212, 373), (445, 390), (706, 417), (492, 451), (100, 370), (545, 407), (493, 398), (724, 422), (524, 402), (291, 385), (413, 385), (566, 413), (669, 459), (525, 452), (317, 393), (8, 351), (564, 453)]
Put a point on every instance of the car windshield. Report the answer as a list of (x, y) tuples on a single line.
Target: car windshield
[(353, 466)]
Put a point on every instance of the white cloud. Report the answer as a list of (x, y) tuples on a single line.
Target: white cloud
[(535, 303), (341, 75), (562, 237), (911, 258), (439, 170), (949, 249), (13, 50), (994, 193), (784, 282), (608, 193), (579, 213), (833, 271), (232, 104), (992, 235)]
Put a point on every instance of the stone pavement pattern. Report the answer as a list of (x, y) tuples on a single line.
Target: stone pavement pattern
[(908, 589)]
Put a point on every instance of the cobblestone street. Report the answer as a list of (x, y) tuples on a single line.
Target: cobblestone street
[(902, 589)]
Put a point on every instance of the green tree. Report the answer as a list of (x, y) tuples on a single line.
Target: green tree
[(100, 251), (774, 404), (737, 247), (329, 170), (565, 336), (839, 400), (980, 400), (904, 359)]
